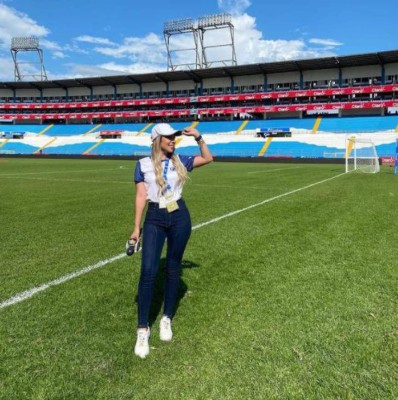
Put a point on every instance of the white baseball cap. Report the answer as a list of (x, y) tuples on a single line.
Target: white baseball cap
[(163, 130)]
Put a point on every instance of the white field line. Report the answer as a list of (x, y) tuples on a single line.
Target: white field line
[(124, 182), (66, 180), (65, 171), (132, 182), (31, 292), (227, 186), (272, 170), (212, 221)]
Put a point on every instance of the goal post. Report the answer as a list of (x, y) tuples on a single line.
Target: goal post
[(361, 156)]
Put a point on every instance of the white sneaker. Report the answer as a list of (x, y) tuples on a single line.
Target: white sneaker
[(166, 333), (142, 345)]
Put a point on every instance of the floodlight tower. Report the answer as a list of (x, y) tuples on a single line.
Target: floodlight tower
[(27, 44), (212, 22), (177, 27)]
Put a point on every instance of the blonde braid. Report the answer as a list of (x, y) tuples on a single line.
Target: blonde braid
[(181, 170), (157, 164)]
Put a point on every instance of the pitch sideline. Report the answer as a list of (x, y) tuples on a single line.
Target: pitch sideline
[(62, 172), (31, 292)]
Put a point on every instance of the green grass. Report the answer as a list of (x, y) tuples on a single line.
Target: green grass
[(293, 299)]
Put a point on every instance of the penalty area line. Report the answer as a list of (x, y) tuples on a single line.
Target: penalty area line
[(18, 298)]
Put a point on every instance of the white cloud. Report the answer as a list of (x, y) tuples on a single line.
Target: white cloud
[(74, 48), (59, 54), (106, 69), (325, 42), (49, 45), (251, 47), (6, 69), (136, 68), (148, 53), (149, 49), (14, 24), (95, 40), (234, 7), (301, 31), (82, 70), (28, 71)]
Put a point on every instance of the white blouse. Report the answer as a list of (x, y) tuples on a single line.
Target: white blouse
[(144, 172)]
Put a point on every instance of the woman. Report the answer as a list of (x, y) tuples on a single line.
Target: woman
[(159, 181)]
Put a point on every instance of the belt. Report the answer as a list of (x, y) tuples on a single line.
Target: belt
[(155, 205)]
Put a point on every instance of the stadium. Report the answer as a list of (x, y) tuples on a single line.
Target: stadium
[(315, 102), (288, 286)]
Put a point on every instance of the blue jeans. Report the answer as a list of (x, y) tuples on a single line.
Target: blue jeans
[(160, 224)]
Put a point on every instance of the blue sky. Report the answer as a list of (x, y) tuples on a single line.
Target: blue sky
[(98, 37)]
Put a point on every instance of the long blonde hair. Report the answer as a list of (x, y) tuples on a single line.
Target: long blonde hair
[(157, 166)]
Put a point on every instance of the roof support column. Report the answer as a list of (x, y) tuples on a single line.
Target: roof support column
[(383, 74), (265, 87)]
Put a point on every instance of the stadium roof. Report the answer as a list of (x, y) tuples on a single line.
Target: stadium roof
[(198, 75)]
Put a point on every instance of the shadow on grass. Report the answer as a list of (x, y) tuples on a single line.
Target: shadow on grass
[(338, 169), (388, 171), (158, 290)]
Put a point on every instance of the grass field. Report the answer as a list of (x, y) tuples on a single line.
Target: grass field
[(295, 298)]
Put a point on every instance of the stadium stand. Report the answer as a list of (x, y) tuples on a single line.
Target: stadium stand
[(359, 124), (221, 136), (18, 128), (315, 101)]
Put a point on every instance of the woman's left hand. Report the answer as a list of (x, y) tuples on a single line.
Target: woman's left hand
[(190, 132)]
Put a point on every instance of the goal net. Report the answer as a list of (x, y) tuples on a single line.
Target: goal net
[(361, 156)]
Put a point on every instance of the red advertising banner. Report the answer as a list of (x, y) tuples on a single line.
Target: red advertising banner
[(95, 104), (204, 99), (205, 111)]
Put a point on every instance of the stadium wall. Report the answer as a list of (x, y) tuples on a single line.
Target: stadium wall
[(224, 138)]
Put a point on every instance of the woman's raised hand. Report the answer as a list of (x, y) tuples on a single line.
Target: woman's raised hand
[(190, 132)]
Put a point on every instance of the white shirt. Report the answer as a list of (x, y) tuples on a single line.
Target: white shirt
[(144, 172)]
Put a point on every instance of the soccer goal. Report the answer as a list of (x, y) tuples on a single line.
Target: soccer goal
[(361, 156)]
